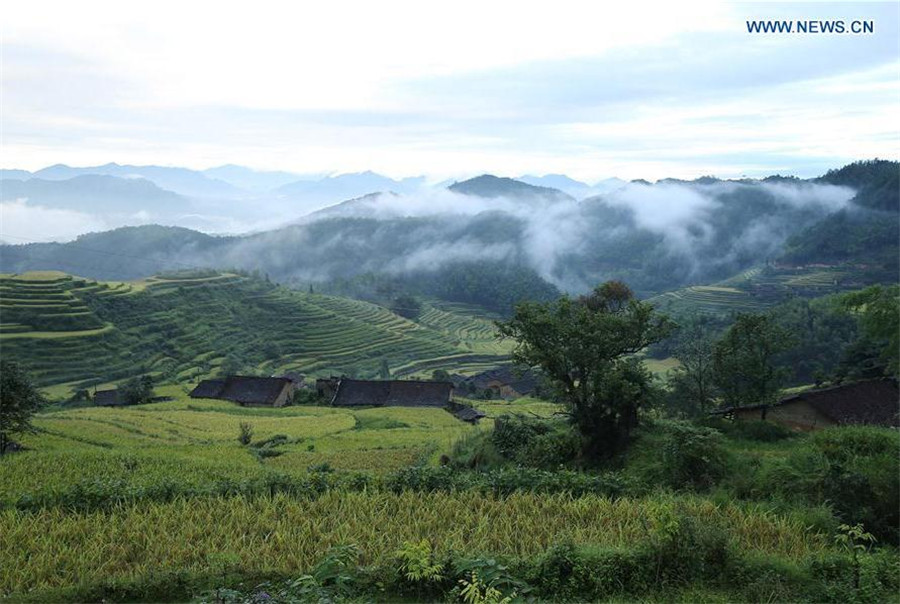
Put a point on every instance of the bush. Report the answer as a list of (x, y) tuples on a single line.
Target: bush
[(535, 442), (679, 455), (761, 431), (245, 434)]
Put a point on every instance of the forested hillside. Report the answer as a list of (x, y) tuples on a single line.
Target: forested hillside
[(505, 234)]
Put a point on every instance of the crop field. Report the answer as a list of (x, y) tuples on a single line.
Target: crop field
[(195, 441), (283, 534), (71, 333), (708, 299)]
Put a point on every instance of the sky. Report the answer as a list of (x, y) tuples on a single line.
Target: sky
[(448, 89)]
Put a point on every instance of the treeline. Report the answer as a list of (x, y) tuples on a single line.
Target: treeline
[(831, 338), (495, 286)]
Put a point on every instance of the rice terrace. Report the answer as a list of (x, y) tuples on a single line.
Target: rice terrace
[(479, 303)]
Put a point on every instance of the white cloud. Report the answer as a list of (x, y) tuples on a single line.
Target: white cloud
[(447, 90)]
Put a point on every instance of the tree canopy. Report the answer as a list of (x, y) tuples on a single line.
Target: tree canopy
[(583, 345), (19, 400)]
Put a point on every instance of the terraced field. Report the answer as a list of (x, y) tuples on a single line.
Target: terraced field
[(75, 332), (708, 299), (759, 288)]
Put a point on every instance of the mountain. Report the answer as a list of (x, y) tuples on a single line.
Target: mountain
[(656, 237), (97, 193), (312, 195), (490, 186), (561, 182), (180, 180), (866, 232), (15, 174), (251, 180)]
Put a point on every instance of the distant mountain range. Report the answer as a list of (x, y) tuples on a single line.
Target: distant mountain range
[(230, 198), (503, 231)]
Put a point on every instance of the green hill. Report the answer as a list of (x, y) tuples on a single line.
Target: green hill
[(181, 327), (760, 288)]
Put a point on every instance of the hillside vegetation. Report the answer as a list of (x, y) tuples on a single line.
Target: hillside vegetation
[(181, 327)]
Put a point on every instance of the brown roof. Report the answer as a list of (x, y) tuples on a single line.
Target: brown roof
[(242, 389), (875, 402), (356, 393), (872, 402)]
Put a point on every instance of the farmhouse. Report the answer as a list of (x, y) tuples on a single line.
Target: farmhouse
[(246, 391), (506, 382), (107, 398), (355, 393), (872, 402), (326, 387)]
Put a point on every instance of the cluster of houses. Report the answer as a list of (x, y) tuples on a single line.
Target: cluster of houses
[(868, 402), (338, 392)]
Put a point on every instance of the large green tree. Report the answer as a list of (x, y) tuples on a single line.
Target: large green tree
[(19, 399), (745, 369), (691, 387), (584, 346), (878, 309)]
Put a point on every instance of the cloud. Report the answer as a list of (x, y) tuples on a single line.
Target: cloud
[(23, 223), (583, 89)]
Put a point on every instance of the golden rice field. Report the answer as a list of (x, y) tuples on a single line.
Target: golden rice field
[(285, 534), (195, 442)]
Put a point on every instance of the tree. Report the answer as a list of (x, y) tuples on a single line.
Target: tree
[(407, 306), (137, 390), (583, 346), (879, 318), (384, 371), (440, 375), (19, 399), (691, 384), (744, 365)]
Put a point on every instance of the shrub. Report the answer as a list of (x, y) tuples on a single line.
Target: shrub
[(679, 455), (535, 442), (245, 434)]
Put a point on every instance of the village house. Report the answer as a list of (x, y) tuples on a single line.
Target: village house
[(326, 387), (387, 393), (506, 382), (107, 398), (870, 402), (247, 390)]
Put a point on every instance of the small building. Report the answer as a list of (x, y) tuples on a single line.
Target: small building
[(470, 414), (107, 398), (247, 390), (388, 393), (506, 382), (870, 402), (297, 379), (326, 387)]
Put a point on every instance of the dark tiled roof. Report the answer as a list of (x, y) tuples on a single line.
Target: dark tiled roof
[(106, 397), (208, 389), (242, 389), (468, 414), (875, 402), (355, 393)]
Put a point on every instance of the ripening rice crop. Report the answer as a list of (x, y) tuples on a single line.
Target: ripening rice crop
[(54, 548)]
